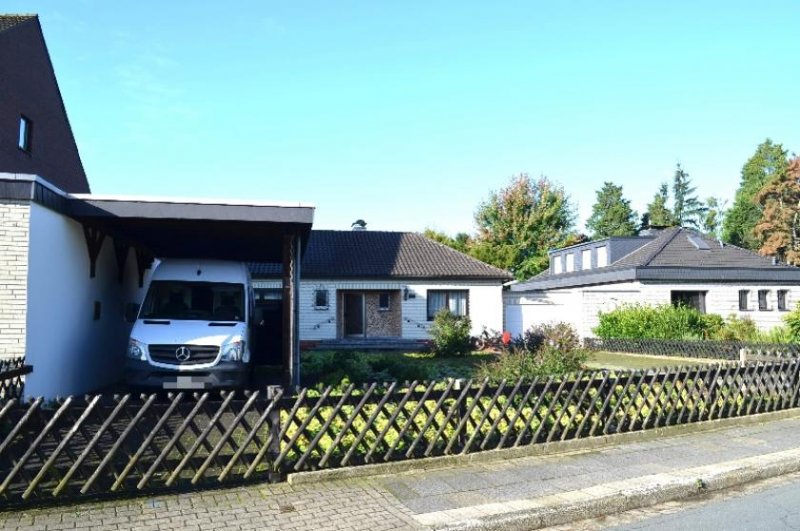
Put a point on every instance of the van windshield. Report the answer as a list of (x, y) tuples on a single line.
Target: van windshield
[(199, 301)]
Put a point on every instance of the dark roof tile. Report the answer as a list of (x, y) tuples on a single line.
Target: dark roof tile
[(9, 21), (374, 254)]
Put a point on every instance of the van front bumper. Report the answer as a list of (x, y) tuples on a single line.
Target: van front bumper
[(223, 375)]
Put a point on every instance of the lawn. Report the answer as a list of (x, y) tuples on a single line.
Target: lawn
[(621, 361)]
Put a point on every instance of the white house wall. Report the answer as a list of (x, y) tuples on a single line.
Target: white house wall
[(580, 307), (72, 353), (485, 305)]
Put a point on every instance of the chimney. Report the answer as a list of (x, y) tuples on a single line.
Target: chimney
[(359, 224)]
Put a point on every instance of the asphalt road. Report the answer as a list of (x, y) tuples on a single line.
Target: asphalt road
[(776, 507)]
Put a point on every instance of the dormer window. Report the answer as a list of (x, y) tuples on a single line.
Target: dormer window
[(25, 133), (602, 256), (570, 263), (557, 265), (586, 259)]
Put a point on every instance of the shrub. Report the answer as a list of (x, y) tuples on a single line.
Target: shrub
[(518, 363), (737, 329), (665, 321), (792, 320), (344, 367), (450, 334), (561, 336)]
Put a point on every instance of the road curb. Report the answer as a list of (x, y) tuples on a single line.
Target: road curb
[(615, 497), (533, 450)]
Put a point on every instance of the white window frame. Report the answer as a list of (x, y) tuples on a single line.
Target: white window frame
[(570, 263), (558, 265), (586, 259), (317, 292), (602, 256)]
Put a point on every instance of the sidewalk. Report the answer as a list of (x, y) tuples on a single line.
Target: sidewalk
[(521, 493)]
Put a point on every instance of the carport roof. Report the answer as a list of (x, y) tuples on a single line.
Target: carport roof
[(196, 228)]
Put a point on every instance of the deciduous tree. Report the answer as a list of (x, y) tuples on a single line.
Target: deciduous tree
[(518, 224), (778, 231), (658, 214), (612, 214)]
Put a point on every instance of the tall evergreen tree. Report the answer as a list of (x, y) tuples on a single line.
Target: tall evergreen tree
[(519, 224), (658, 214), (687, 209), (769, 160), (611, 214)]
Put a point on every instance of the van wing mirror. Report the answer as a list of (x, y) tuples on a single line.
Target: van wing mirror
[(131, 312)]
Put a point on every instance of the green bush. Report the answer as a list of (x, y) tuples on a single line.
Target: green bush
[(792, 320), (519, 363), (737, 329), (450, 334), (665, 321), (344, 367)]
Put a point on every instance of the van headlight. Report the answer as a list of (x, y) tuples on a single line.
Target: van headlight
[(233, 351), (136, 350)]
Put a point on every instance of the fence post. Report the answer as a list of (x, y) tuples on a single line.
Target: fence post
[(742, 357), (274, 421), (460, 414)]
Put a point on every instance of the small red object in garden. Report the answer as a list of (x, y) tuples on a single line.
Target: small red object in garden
[(506, 338)]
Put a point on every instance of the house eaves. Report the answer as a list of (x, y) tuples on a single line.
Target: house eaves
[(583, 278), (778, 274)]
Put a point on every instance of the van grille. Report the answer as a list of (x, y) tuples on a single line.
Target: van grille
[(197, 354)]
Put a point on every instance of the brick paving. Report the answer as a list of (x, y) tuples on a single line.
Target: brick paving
[(404, 501)]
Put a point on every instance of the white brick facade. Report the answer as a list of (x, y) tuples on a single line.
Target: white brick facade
[(581, 306), (14, 238), (485, 305)]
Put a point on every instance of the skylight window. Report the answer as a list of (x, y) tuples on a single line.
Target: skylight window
[(25, 133), (699, 242)]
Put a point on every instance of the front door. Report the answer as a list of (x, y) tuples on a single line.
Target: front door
[(354, 314)]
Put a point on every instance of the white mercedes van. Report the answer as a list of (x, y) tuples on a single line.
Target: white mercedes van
[(192, 331)]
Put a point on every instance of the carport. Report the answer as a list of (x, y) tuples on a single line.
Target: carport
[(226, 230)]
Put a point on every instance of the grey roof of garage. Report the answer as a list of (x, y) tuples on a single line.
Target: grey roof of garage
[(383, 255), (672, 257)]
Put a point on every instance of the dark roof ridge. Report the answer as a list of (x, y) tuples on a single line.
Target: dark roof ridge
[(660, 247)]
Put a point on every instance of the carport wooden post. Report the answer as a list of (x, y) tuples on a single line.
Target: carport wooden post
[(291, 287)]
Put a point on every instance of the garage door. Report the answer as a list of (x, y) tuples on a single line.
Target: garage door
[(522, 315)]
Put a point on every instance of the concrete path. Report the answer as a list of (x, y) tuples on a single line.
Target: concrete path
[(521, 493)]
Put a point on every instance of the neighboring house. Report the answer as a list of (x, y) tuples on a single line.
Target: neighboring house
[(35, 135), (361, 285), (673, 265)]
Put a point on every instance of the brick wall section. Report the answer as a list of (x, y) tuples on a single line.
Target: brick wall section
[(14, 230)]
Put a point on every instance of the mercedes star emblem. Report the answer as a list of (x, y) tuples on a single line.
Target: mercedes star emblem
[(183, 353)]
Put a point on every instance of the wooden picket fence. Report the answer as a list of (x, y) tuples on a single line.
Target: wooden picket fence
[(105, 445), (12, 377)]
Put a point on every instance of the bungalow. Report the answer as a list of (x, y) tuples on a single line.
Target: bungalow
[(668, 266), (382, 289)]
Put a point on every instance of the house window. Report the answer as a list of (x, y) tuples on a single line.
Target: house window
[(570, 262), (558, 266), (383, 302), (454, 300), (763, 300), (586, 259), (692, 299), (320, 299), (782, 296), (602, 256), (743, 296), (25, 133)]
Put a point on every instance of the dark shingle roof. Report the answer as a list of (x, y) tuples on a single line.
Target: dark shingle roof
[(672, 256), (9, 21), (383, 255)]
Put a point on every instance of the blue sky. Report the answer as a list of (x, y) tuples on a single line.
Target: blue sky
[(407, 114)]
